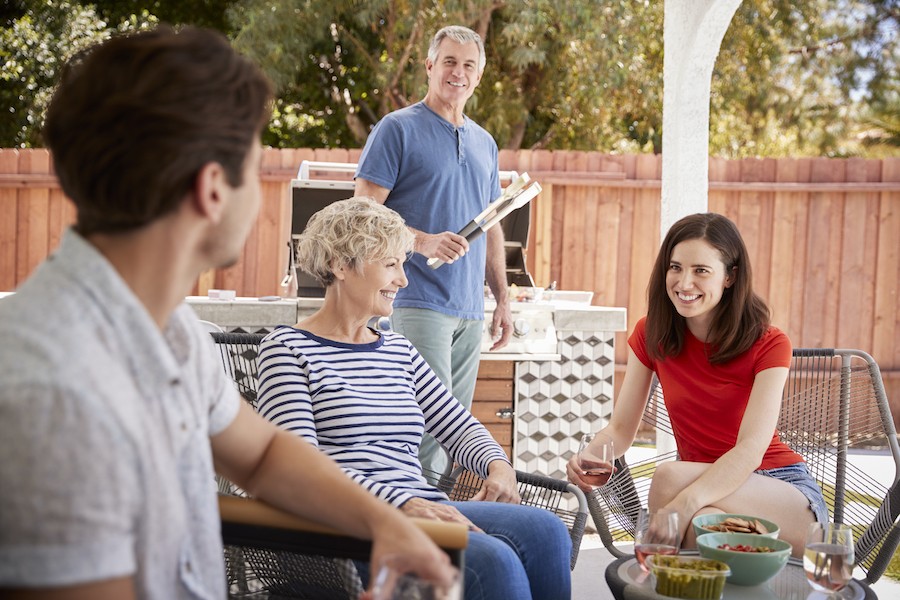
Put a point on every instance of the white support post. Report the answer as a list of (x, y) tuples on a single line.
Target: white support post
[(692, 34)]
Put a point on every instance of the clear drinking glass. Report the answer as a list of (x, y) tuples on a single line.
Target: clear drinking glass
[(656, 533), (394, 581), (828, 557), (596, 458)]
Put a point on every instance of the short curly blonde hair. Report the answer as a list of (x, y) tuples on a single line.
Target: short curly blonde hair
[(351, 232)]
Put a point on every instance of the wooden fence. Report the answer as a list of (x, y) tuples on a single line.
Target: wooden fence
[(824, 234)]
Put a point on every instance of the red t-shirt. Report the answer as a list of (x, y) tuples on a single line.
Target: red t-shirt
[(706, 402)]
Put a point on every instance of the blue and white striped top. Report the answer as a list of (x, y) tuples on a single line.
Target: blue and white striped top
[(367, 406)]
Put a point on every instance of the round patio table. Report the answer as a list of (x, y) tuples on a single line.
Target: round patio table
[(628, 581)]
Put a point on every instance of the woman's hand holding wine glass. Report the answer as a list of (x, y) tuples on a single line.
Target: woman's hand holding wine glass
[(656, 533), (596, 457)]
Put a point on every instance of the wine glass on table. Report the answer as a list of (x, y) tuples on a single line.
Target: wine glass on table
[(394, 581), (657, 532), (596, 458), (828, 557)]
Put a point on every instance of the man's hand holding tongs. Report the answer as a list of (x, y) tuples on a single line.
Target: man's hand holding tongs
[(516, 195), (445, 246)]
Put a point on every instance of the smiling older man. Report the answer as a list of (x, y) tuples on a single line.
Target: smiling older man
[(438, 169)]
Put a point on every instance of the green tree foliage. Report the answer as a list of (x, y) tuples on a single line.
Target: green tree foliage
[(200, 13), (346, 64), (817, 77), (342, 65), (37, 39), (791, 77), (880, 134), (577, 75), (803, 77)]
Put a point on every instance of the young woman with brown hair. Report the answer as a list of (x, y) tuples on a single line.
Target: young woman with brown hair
[(723, 367)]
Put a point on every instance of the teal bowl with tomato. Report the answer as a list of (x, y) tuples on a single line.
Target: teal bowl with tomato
[(753, 559)]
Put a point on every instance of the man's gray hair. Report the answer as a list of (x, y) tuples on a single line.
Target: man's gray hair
[(461, 35)]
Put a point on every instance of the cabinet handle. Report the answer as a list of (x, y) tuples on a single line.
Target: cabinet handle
[(505, 413)]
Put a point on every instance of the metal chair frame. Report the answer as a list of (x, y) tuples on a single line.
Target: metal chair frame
[(834, 400)]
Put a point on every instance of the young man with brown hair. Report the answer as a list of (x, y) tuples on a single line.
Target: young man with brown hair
[(114, 409)]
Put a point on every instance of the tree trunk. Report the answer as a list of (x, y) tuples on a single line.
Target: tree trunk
[(517, 134), (357, 128)]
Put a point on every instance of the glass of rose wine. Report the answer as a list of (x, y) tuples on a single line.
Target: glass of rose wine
[(656, 533), (596, 458), (828, 557)]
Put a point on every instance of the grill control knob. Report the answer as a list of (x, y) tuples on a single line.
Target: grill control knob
[(521, 327)]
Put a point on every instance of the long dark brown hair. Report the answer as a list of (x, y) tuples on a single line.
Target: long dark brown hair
[(740, 318)]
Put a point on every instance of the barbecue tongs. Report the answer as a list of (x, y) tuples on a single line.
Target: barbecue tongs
[(516, 195), (289, 283)]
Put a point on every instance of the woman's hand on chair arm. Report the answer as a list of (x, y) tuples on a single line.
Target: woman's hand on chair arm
[(426, 509), (500, 485)]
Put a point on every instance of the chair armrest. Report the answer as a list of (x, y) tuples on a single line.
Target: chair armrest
[(543, 481), (558, 485), (552, 501), (246, 511)]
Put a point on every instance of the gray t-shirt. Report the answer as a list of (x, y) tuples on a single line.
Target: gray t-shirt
[(105, 463)]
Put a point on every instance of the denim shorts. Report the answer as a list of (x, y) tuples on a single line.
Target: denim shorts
[(798, 476)]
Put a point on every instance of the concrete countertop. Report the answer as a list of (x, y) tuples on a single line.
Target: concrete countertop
[(575, 316), (245, 312), (590, 318), (567, 316)]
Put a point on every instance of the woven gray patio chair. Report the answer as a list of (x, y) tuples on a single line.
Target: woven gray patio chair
[(266, 562), (834, 400), (239, 352)]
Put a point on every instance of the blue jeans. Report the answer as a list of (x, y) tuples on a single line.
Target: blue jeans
[(523, 553), (798, 476), (452, 348)]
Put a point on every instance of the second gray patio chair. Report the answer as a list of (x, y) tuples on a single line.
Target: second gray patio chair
[(834, 400)]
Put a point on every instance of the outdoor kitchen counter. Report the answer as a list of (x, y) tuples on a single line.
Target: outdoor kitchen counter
[(255, 314)]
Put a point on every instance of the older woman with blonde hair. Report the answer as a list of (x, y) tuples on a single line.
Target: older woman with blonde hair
[(367, 397)]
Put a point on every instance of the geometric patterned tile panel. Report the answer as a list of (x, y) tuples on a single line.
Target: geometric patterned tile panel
[(556, 401)]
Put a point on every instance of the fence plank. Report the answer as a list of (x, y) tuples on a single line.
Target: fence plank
[(606, 247), (573, 239), (788, 254), (9, 210), (860, 251), (33, 215), (540, 237), (886, 342), (645, 239)]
